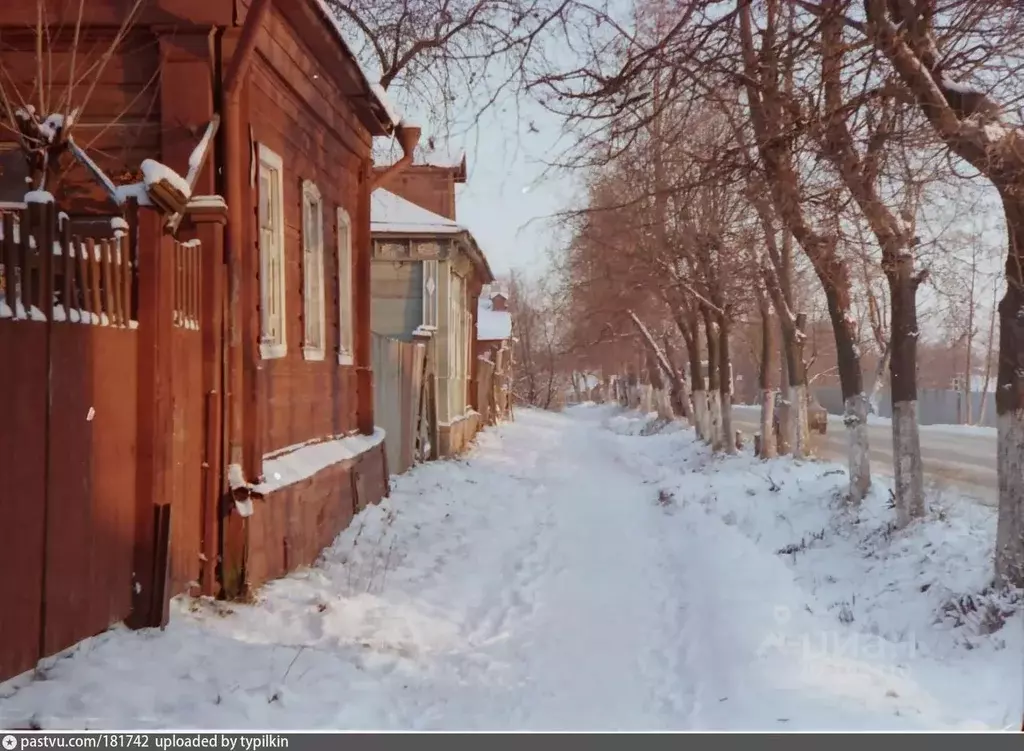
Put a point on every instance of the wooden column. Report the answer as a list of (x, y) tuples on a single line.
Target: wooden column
[(186, 97), (362, 301), (206, 223), (155, 423)]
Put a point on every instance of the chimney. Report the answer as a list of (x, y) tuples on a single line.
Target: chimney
[(499, 303)]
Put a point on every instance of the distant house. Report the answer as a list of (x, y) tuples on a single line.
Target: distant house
[(427, 274), (223, 425), (494, 345)]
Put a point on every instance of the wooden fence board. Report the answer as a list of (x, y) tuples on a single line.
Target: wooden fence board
[(398, 378)]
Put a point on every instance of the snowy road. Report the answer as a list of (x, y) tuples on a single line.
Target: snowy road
[(565, 576), (964, 458)]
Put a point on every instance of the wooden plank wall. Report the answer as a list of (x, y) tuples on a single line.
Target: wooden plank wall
[(298, 112)]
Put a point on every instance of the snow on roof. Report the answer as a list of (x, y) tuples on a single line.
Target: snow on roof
[(391, 213), (492, 325), (424, 156), (442, 157)]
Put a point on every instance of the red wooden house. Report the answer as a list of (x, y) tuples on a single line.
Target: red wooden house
[(241, 439)]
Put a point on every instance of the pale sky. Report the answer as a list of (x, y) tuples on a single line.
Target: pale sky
[(508, 199)]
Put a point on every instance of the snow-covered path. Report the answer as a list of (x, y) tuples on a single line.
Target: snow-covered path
[(563, 577)]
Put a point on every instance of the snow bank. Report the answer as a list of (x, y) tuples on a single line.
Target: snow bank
[(919, 599), (568, 576)]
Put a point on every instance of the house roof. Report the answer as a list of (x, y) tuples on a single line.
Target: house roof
[(389, 115), (492, 325), (391, 214)]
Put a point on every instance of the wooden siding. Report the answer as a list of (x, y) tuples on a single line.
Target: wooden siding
[(298, 522), (63, 14), (297, 110), (397, 298)]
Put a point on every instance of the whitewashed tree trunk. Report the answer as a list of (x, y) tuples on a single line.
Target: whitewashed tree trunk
[(715, 427), (663, 405), (875, 397), (1010, 471), (702, 420), (768, 448), (906, 456), (855, 418), (646, 399), (799, 429), (728, 434)]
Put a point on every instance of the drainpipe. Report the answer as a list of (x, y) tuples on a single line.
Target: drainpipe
[(408, 138), (233, 161)]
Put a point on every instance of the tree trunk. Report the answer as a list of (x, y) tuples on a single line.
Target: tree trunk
[(784, 417), (700, 397), (714, 396), (1009, 561), (725, 386), (793, 421), (680, 394), (876, 385), (766, 382), (906, 442), (988, 357), (851, 381)]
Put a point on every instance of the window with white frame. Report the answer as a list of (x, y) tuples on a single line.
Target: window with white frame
[(430, 293), (313, 272), (273, 342), (345, 330)]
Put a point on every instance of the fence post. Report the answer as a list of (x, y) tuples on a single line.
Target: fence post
[(155, 423)]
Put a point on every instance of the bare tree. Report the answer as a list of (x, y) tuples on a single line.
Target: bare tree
[(976, 129)]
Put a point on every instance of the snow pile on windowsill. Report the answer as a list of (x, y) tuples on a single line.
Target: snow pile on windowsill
[(292, 466)]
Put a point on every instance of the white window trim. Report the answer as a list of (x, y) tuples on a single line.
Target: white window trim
[(315, 350), (345, 302), (274, 350), (430, 279)]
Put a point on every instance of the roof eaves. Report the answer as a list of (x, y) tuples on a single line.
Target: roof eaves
[(382, 109), (476, 255)]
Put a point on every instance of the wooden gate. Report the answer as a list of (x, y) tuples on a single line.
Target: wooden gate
[(68, 349), (398, 369), (89, 467)]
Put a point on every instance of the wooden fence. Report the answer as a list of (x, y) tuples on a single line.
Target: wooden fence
[(493, 392), (404, 401), (79, 319)]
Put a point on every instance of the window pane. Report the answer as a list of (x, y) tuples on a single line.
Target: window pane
[(265, 221)]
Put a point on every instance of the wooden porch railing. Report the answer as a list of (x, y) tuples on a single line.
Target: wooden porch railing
[(80, 280)]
